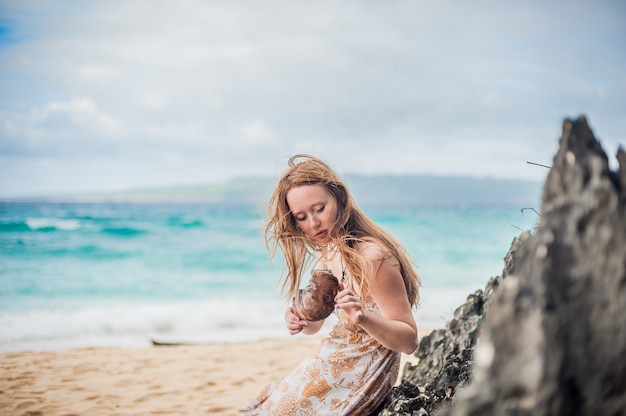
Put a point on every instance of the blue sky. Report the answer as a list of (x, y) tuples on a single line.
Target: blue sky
[(107, 95)]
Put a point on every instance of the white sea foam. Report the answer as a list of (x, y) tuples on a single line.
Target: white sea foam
[(52, 223), (134, 324)]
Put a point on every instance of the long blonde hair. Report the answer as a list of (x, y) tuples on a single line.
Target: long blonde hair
[(352, 226)]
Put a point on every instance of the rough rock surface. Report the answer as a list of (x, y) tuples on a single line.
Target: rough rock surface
[(552, 337)]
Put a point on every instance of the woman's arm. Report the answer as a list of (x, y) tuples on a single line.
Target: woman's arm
[(395, 328)]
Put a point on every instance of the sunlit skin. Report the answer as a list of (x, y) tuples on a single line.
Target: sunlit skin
[(315, 212)]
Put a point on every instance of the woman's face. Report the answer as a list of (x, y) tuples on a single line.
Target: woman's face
[(314, 210)]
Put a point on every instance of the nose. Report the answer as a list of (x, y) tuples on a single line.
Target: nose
[(314, 222)]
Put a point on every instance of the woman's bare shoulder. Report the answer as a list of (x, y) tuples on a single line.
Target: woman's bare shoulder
[(373, 250)]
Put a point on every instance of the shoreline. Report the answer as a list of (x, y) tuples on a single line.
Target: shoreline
[(212, 379)]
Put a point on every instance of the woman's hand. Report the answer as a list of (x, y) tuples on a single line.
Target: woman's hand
[(294, 324), (350, 302)]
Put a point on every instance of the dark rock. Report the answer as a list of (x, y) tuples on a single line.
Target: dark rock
[(555, 339), (548, 337)]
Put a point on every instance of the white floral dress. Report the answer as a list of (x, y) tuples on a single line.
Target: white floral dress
[(352, 374)]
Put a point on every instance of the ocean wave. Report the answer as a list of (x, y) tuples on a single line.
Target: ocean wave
[(12, 227), (57, 224), (133, 323), (123, 231), (52, 224), (47, 225), (40, 224), (209, 320), (177, 222), (95, 252)]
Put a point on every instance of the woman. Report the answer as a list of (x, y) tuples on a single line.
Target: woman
[(311, 213)]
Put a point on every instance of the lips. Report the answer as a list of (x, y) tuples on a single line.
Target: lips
[(321, 235)]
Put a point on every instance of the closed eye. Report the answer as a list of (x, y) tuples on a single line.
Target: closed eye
[(317, 211)]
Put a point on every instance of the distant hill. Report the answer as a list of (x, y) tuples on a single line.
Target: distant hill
[(368, 190), (442, 190)]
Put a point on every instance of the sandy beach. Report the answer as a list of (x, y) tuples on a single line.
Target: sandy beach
[(214, 379)]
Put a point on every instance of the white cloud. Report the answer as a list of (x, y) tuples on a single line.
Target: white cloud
[(198, 91)]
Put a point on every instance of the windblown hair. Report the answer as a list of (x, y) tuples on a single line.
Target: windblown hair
[(351, 227)]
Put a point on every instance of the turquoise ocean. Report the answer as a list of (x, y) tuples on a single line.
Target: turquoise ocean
[(115, 274)]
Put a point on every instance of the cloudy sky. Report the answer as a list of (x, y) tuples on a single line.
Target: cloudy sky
[(116, 94)]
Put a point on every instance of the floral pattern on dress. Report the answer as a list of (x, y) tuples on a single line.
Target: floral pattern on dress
[(352, 374)]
